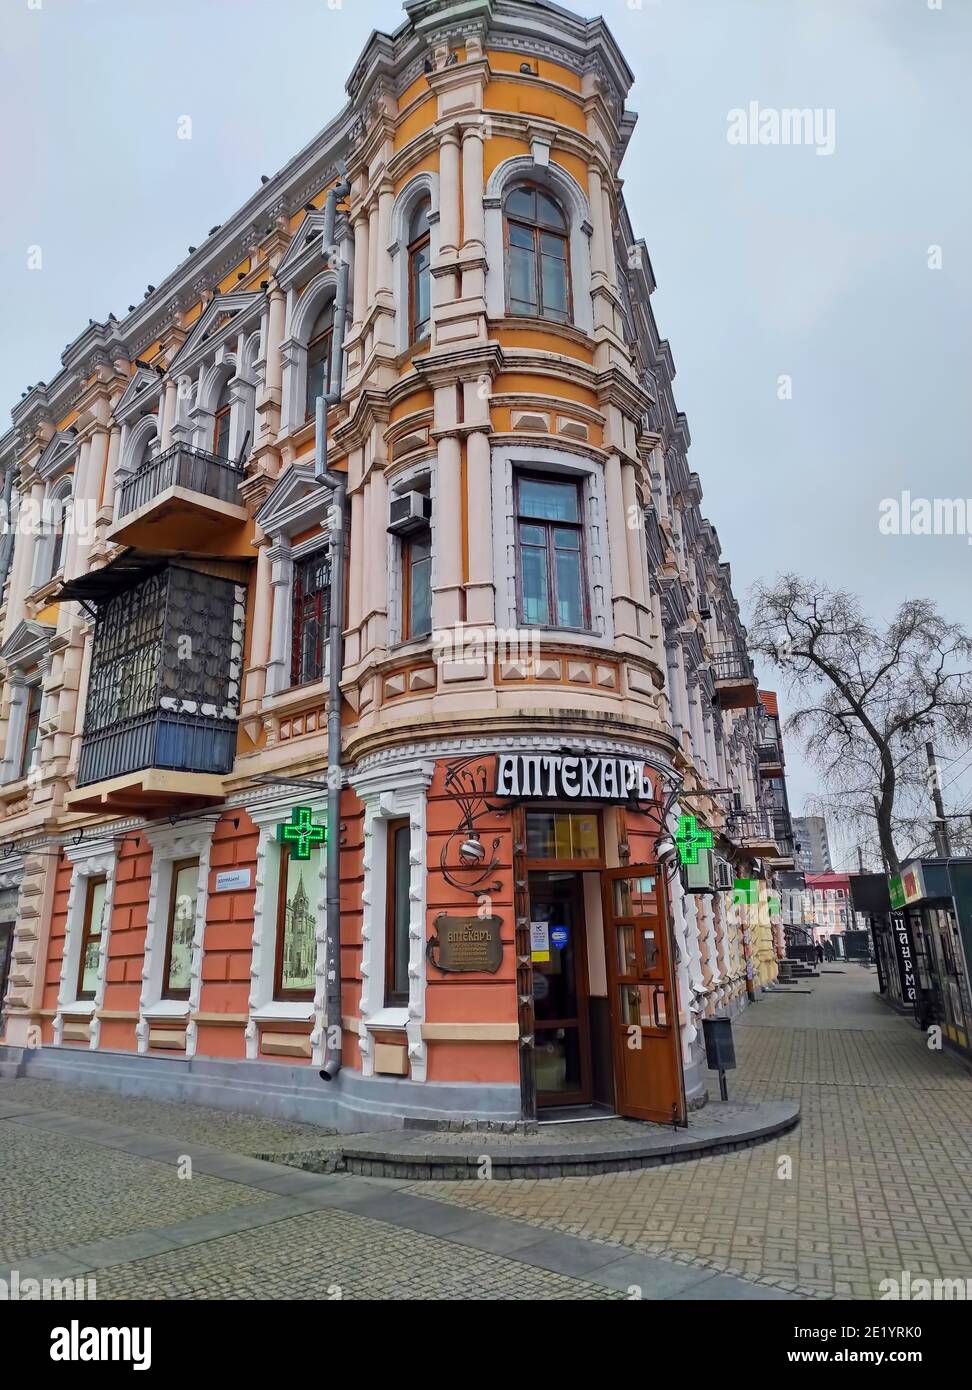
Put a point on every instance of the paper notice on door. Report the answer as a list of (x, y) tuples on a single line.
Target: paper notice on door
[(539, 941)]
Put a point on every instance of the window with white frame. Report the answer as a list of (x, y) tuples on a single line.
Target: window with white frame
[(410, 533), (550, 543)]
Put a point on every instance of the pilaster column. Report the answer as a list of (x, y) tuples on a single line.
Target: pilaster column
[(111, 472), (473, 185), (256, 676), (281, 581), (449, 196), (275, 336), (447, 560), (168, 414), (635, 536), (362, 233), (598, 257), (480, 588)]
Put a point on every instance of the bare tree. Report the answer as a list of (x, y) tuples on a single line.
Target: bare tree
[(868, 698)]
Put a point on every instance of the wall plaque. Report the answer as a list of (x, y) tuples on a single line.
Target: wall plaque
[(466, 944)]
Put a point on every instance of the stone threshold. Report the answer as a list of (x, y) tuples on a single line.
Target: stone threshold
[(627, 1145)]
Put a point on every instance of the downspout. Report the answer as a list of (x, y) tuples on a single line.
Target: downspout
[(337, 482), (7, 541)]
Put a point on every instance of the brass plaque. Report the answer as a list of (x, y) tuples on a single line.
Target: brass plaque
[(466, 944)]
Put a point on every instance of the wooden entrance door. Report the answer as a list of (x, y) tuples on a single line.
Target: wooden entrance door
[(562, 1044), (644, 1013)]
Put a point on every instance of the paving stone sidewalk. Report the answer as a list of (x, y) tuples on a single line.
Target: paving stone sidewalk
[(880, 1164)]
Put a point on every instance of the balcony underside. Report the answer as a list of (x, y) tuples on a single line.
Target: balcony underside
[(152, 790), (736, 692), (180, 521)]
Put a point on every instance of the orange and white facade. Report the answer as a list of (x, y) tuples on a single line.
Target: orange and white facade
[(542, 654)]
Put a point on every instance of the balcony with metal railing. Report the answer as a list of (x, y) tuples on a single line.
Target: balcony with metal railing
[(183, 501), (752, 830), (735, 681), (160, 726), (770, 757)]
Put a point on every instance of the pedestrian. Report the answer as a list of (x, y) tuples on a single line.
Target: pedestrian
[(820, 953)]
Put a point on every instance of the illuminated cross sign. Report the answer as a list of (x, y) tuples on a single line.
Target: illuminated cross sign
[(302, 835), (690, 839)]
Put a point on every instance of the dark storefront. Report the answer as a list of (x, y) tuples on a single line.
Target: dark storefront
[(923, 943)]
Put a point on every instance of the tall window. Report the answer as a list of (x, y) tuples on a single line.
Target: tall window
[(318, 359), (550, 553), (537, 251), (296, 935), (180, 929), (94, 913), (417, 584), (312, 609), (221, 429), (397, 912), (419, 275), (31, 728)]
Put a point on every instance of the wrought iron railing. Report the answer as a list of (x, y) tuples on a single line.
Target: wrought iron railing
[(192, 469), (747, 826), (161, 739), (770, 754), (732, 662)]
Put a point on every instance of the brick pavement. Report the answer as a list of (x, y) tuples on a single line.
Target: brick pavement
[(881, 1161)]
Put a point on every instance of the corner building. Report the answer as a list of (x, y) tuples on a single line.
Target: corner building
[(541, 654)]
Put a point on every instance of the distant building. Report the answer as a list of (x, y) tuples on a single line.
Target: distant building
[(828, 909), (813, 847)]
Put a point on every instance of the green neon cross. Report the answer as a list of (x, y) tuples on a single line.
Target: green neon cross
[(301, 834), (690, 839)]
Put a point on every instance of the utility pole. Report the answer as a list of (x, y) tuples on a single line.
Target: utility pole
[(860, 860), (942, 843)]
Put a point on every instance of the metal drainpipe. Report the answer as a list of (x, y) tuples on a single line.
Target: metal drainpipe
[(337, 482), (7, 542)]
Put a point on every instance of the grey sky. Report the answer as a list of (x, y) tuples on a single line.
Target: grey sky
[(770, 260)]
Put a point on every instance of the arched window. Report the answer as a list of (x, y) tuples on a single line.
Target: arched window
[(318, 359), (221, 429), (419, 275), (537, 254)]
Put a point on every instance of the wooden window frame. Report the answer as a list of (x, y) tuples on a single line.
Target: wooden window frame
[(326, 336), (32, 721), (393, 998), (524, 475), (223, 413), (419, 244), (280, 994), (176, 868), (297, 618), (91, 883), (536, 229), (407, 566)]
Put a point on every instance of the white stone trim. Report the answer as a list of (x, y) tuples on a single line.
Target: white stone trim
[(88, 861), (422, 186), (170, 843), (390, 794), (570, 195), (537, 457), (317, 294), (401, 483), (263, 1006)]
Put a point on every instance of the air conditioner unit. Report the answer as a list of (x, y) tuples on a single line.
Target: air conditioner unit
[(704, 610), (699, 877), (410, 512), (723, 875)]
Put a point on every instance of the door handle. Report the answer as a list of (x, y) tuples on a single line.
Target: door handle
[(654, 1008)]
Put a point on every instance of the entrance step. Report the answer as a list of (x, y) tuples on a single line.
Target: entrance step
[(557, 1151)]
